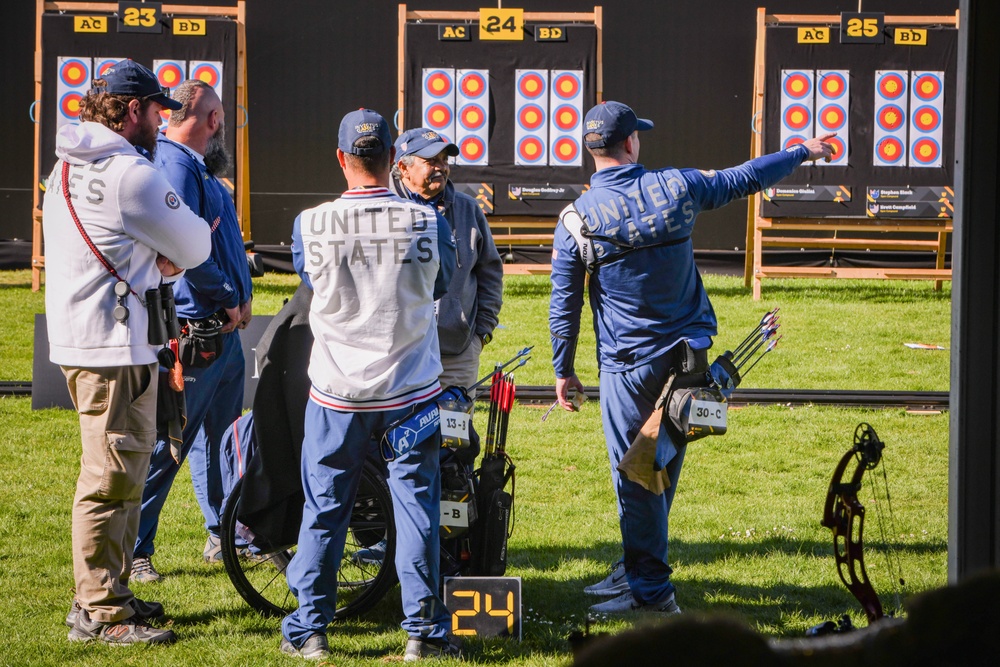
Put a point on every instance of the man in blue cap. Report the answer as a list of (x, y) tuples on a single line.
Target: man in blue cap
[(469, 312), (631, 235), (376, 264)]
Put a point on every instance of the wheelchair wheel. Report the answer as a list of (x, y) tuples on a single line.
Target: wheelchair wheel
[(363, 578)]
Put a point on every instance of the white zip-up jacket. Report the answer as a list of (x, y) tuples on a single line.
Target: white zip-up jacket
[(131, 214), (373, 260)]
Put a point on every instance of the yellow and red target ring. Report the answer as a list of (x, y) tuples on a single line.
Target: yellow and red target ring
[(530, 149), (566, 149), (530, 117), (438, 116), (438, 84), (927, 87), (472, 149), (797, 85), (472, 85), (891, 86), (531, 85), (566, 117), (890, 150), (926, 150), (472, 117)]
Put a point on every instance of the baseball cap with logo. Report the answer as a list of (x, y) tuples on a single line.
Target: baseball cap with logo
[(127, 77), (614, 122), (423, 142), (363, 123)]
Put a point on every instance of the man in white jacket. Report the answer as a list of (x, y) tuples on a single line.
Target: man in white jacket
[(114, 228)]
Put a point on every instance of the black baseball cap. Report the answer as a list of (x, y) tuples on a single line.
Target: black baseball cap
[(128, 77)]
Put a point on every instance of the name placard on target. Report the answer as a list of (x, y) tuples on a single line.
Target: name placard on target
[(472, 101), (438, 101)]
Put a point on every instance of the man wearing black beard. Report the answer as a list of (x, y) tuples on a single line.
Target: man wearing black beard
[(216, 294)]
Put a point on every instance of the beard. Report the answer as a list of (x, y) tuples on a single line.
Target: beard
[(146, 137), (217, 157)]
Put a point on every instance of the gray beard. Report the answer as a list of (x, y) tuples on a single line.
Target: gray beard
[(217, 157)]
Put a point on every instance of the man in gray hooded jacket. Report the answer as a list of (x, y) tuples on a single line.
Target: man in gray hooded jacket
[(470, 310)]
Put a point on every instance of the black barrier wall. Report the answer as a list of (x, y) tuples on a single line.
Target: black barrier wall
[(685, 64)]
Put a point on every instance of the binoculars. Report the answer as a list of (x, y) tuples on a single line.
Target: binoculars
[(162, 325)]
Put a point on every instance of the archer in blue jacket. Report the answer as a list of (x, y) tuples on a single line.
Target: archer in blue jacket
[(191, 155), (631, 232)]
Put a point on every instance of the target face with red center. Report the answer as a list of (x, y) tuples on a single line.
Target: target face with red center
[(797, 117), (472, 149), (530, 149), (797, 85), (472, 85), (169, 74), (531, 85), (927, 119), (890, 117), (530, 117), (891, 86), (74, 73), (832, 85), (566, 118), (566, 86), (792, 140), (438, 84), (838, 148), (208, 73), (472, 117), (69, 105), (890, 150), (101, 66), (438, 116), (832, 117), (566, 150), (926, 150), (927, 87)]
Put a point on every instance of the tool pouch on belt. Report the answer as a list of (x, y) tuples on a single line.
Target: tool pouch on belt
[(200, 342), (694, 403)]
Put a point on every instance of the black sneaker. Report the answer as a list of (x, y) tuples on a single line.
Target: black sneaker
[(129, 631), (314, 648), (144, 611), (418, 648)]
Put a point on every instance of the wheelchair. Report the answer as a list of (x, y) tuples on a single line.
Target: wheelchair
[(258, 541)]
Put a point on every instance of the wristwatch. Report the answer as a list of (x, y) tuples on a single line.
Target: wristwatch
[(486, 338)]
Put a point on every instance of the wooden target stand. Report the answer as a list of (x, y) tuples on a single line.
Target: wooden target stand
[(241, 188), (874, 234), (511, 230)]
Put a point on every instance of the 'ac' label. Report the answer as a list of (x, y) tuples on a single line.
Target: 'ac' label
[(910, 37), (90, 24), (454, 33), (814, 35), (189, 26)]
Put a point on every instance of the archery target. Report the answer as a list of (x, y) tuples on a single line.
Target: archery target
[(797, 105), (71, 85), (566, 118), (102, 64), (891, 116), (832, 115), (207, 71), (531, 112), (438, 100), (170, 74), (472, 111), (926, 132)]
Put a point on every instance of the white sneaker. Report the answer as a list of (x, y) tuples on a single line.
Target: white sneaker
[(625, 604), (614, 584)]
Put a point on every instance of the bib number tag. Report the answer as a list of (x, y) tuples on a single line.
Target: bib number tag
[(708, 416), (454, 514), (456, 417)]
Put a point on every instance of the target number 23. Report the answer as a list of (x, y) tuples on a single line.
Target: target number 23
[(139, 17)]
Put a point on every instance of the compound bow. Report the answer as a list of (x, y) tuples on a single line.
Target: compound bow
[(844, 514)]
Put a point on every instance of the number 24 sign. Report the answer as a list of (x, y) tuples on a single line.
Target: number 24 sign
[(501, 24)]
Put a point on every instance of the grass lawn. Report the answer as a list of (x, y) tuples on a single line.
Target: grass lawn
[(745, 533)]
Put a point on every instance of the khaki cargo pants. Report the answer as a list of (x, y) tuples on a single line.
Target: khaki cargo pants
[(117, 408)]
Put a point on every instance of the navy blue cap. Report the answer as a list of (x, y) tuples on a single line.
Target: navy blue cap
[(363, 123), (614, 121), (423, 142), (127, 77)]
